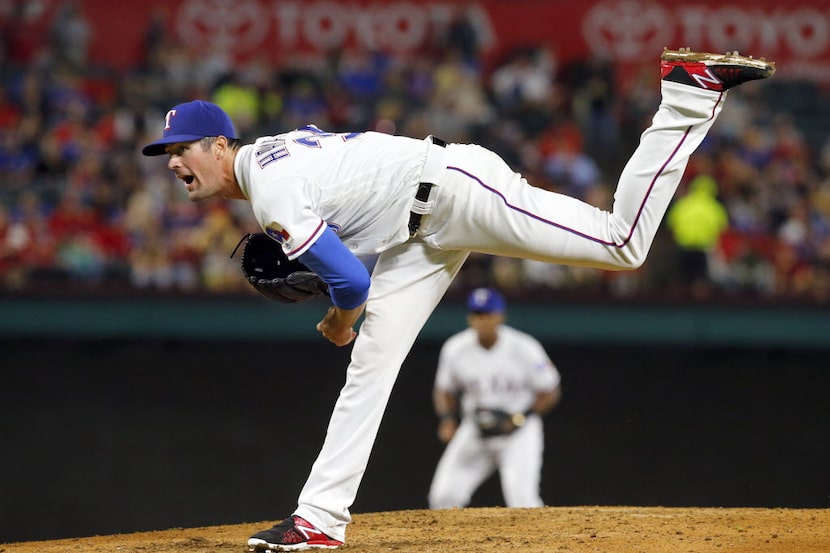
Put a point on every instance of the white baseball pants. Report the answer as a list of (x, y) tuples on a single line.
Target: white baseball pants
[(481, 205)]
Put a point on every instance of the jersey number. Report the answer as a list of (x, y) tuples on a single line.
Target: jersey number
[(275, 150), (314, 141)]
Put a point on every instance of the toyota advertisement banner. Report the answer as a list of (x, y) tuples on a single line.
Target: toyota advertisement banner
[(796, 34)]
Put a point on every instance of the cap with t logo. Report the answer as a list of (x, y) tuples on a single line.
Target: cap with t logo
[(191, 121)]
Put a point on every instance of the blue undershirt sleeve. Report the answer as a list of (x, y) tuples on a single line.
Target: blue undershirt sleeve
[(345, 274)]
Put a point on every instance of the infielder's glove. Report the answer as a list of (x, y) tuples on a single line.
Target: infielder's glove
[(273, 275), (494, 422)]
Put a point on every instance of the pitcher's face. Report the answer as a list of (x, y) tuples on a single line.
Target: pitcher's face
[(200, 170)]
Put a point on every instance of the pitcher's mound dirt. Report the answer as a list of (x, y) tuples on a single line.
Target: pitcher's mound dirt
[(496, 530)]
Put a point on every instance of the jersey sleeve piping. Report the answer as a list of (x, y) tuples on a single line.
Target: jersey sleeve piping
[(299, 250)]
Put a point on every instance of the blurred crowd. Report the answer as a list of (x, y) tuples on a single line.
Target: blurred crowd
[(82, 210)]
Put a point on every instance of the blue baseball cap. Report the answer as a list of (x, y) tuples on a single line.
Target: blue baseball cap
[(485, 300), (191, 121)]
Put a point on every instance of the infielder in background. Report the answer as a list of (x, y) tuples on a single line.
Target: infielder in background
[(505, 382), (422, 206)]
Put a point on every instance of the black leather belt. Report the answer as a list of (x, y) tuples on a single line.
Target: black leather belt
[(422, 195)]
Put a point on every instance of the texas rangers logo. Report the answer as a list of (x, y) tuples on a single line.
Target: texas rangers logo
[(277, 233), (170, 115)]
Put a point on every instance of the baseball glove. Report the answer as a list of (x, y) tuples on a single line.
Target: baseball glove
[(273, 275), (494, 422)]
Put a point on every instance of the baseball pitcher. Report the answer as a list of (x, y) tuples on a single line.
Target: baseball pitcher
[(421, 206)]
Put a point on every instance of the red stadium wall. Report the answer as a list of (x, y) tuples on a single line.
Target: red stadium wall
[(796, 34)]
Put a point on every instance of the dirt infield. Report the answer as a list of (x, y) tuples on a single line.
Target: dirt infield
[(495, 530)]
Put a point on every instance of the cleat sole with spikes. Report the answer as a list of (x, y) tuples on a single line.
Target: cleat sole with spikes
[(717, 72), (729, 58)]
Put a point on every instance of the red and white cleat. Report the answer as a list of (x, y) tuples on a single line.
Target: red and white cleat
[(716, 72)]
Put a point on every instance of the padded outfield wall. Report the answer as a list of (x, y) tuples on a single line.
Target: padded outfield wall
[(127, 416)]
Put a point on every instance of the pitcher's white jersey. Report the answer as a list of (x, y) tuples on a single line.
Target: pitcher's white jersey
[(362, 187), (507, 376)]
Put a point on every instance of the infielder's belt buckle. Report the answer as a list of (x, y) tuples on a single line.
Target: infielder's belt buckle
[(433, 166)]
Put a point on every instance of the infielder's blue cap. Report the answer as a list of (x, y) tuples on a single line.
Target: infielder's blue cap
[(191, 121), (485, 300)]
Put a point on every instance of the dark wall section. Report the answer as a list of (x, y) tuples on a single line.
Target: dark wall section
[(98, 437)]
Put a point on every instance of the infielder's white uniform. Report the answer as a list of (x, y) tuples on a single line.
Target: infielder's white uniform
[(507, 377), (362, 186)]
